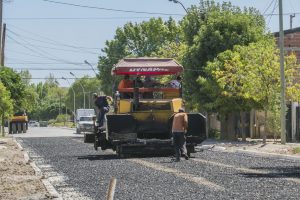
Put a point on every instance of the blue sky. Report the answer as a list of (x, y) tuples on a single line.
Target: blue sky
[(50, 36)]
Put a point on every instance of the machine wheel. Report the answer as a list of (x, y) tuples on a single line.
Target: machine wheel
[(89, 138), (84, 138), (9, 128), (19, 127), (24, 129), (120, 153), (14, 128)]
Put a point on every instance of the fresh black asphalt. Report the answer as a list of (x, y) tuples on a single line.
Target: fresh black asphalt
[(209, 175)]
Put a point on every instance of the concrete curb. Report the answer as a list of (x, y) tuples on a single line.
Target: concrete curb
[(264, 154), (38, 172)]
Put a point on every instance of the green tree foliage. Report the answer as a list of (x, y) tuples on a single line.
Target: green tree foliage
[(251, 74), (90, 85), (209, 30), (50, 100), (135, 40), (6, 105), (25, 76), (13, 83)]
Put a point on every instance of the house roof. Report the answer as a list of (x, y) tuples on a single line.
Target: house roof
[(288, 31)]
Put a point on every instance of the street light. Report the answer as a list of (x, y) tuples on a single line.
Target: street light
[(82, 89), (74, 107), (176, 1), (74, 101), (86, 62)]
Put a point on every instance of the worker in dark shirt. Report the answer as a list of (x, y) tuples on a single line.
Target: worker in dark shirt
[(101, 102)]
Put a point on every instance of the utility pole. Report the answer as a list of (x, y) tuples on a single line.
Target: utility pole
[(282, 78), (291, 20), (3, 45)]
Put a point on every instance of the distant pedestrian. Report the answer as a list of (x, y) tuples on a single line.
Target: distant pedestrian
[(179, 129)]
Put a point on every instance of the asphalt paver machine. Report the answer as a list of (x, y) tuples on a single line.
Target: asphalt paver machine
[(141, 126)]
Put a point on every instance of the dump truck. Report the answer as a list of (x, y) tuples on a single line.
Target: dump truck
[(18, 123), (141, 126)]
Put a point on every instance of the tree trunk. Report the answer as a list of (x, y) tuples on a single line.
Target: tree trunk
[(2, 124), (243, 126), (264, 134), (251, 123), (228, 127)]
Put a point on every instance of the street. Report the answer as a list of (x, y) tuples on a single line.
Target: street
[(77, 171)]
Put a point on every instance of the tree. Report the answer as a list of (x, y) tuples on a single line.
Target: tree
[(135, 40), (6, 105), (252, 74), (25, 76), (210, 29), (13, 83), (91, 85)]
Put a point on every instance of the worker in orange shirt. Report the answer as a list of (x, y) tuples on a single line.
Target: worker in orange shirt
[(179, 129), (125, 83)]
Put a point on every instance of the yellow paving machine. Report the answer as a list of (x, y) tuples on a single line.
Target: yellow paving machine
[(141, 125), (18, 123)]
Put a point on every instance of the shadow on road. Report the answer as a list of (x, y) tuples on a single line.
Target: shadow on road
[(98, 157), (114, 156), (275, 172)]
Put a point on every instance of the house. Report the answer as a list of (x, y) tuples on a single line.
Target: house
[(292, 44)]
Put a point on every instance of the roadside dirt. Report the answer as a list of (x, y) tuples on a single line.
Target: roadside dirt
[(17, 178), (258, 146)]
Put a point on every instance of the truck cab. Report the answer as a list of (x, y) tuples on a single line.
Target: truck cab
[(85, 124), (84, 120)]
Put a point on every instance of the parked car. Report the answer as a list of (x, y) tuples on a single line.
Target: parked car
[(34, 124), (43, 123)]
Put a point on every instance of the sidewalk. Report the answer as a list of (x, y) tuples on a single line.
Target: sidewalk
[(255, 146), (18, 180)]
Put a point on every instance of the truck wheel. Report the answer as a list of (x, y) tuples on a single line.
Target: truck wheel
[(10, 128), (14, 128), (24, 130), (19, 127)]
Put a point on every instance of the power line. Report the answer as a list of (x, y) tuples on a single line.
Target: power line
[(275, 6), (56, 42), (42, 63), (111, 9), (75, 18), (52, 43), (53, 69), (39, 53), (58, 78), (268, 7)]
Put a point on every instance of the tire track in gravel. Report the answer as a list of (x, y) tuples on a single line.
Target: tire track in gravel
[(189, 177), (242, 169)]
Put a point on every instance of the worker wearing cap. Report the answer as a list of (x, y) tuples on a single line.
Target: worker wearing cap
[(101, 102), (179, 128)]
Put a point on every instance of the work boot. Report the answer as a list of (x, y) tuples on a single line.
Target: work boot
[(186, 157)]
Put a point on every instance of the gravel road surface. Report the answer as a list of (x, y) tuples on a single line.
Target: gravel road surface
[(77, 171)]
